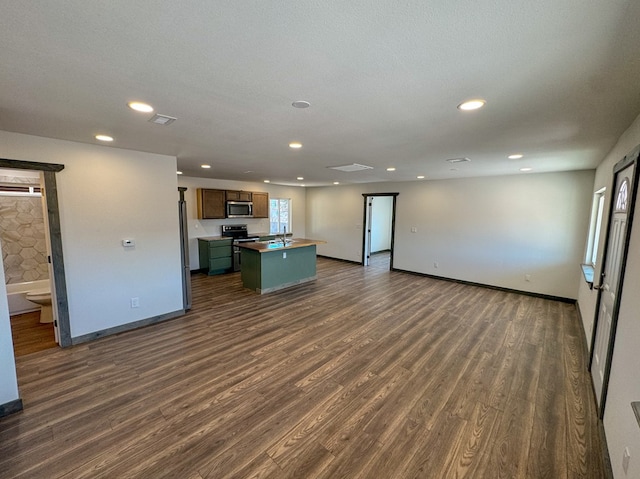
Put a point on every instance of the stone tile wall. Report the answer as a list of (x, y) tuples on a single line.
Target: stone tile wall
[(24, 250)]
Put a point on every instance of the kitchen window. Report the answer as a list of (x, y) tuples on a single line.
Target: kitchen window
[(279, 215)]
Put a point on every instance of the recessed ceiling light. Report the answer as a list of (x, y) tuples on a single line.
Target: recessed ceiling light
[(141, 107), (391, 168), (515, 156), (471, 104), (526, 169), (420, 177), (205, 166), (300, 178), (179, 172), (351, 168), (295, 145), (301, 104), (104, 138), (459, 160), (336, 182), (267, 181)]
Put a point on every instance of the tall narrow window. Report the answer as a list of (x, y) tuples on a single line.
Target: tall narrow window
[(279, 214), (597, 211)]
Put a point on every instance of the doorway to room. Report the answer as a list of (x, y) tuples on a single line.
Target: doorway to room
[(25, 249), (58, 290), (379, 230)]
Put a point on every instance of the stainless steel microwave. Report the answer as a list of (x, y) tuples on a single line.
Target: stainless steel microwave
[(239, 209)]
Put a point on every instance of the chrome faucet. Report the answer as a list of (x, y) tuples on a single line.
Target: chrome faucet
[(284, 236)]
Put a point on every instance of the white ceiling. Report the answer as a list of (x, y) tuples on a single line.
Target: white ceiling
[(561, 79)]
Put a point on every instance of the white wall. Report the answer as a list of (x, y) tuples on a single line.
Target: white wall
[(620, 425), (492, 230), (381, 223), (199, 228), (105, 195), (8, 379), (604, 177)]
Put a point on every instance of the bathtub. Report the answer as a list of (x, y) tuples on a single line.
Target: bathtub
[(15, 296)]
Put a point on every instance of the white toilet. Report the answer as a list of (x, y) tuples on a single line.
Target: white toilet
[(43, 298)]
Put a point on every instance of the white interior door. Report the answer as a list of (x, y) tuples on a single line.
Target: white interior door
[(610, 283), (54, 302)]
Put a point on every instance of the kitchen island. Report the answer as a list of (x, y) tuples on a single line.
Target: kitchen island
[(271, 266)]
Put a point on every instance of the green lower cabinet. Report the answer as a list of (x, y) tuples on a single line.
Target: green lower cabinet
[(216, 256), (281, 268), (217, 265)]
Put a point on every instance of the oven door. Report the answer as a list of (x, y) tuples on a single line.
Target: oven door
[(236, 258)]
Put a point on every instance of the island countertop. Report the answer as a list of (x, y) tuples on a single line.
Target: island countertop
[(266, 246)]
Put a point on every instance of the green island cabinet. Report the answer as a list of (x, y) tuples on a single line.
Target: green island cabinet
[(270, 268), (216, 255)]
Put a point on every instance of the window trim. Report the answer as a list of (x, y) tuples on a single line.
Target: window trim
[(595, 227), (594, 236)]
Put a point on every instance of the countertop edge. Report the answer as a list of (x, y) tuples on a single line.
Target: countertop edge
[(260, 247)]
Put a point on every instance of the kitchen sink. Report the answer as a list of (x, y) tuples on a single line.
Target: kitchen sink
[(278, 243)]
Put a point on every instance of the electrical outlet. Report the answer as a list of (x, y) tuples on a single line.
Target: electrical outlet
[(626, 457), (436, 265), (527, 277), (414, 229), (284, 255), (135, 302)]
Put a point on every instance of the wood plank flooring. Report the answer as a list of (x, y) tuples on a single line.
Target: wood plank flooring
[(30, 335), (365, 373)]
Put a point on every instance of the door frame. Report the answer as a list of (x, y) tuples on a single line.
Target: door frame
[(366, 252), (629, 160), (366, 224), (184, 250), (57, 259)]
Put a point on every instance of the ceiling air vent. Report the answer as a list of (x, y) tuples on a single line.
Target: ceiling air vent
[(162, 119), (459, 160), (350, 168)]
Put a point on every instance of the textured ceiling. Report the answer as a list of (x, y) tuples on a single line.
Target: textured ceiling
[(560, 77)]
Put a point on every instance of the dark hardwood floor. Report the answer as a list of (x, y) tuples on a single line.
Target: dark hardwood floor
[(365, 373), (30, 335)]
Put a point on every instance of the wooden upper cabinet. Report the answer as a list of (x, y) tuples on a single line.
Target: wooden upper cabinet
[(260, 205), (238, 195), (211, 203)]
